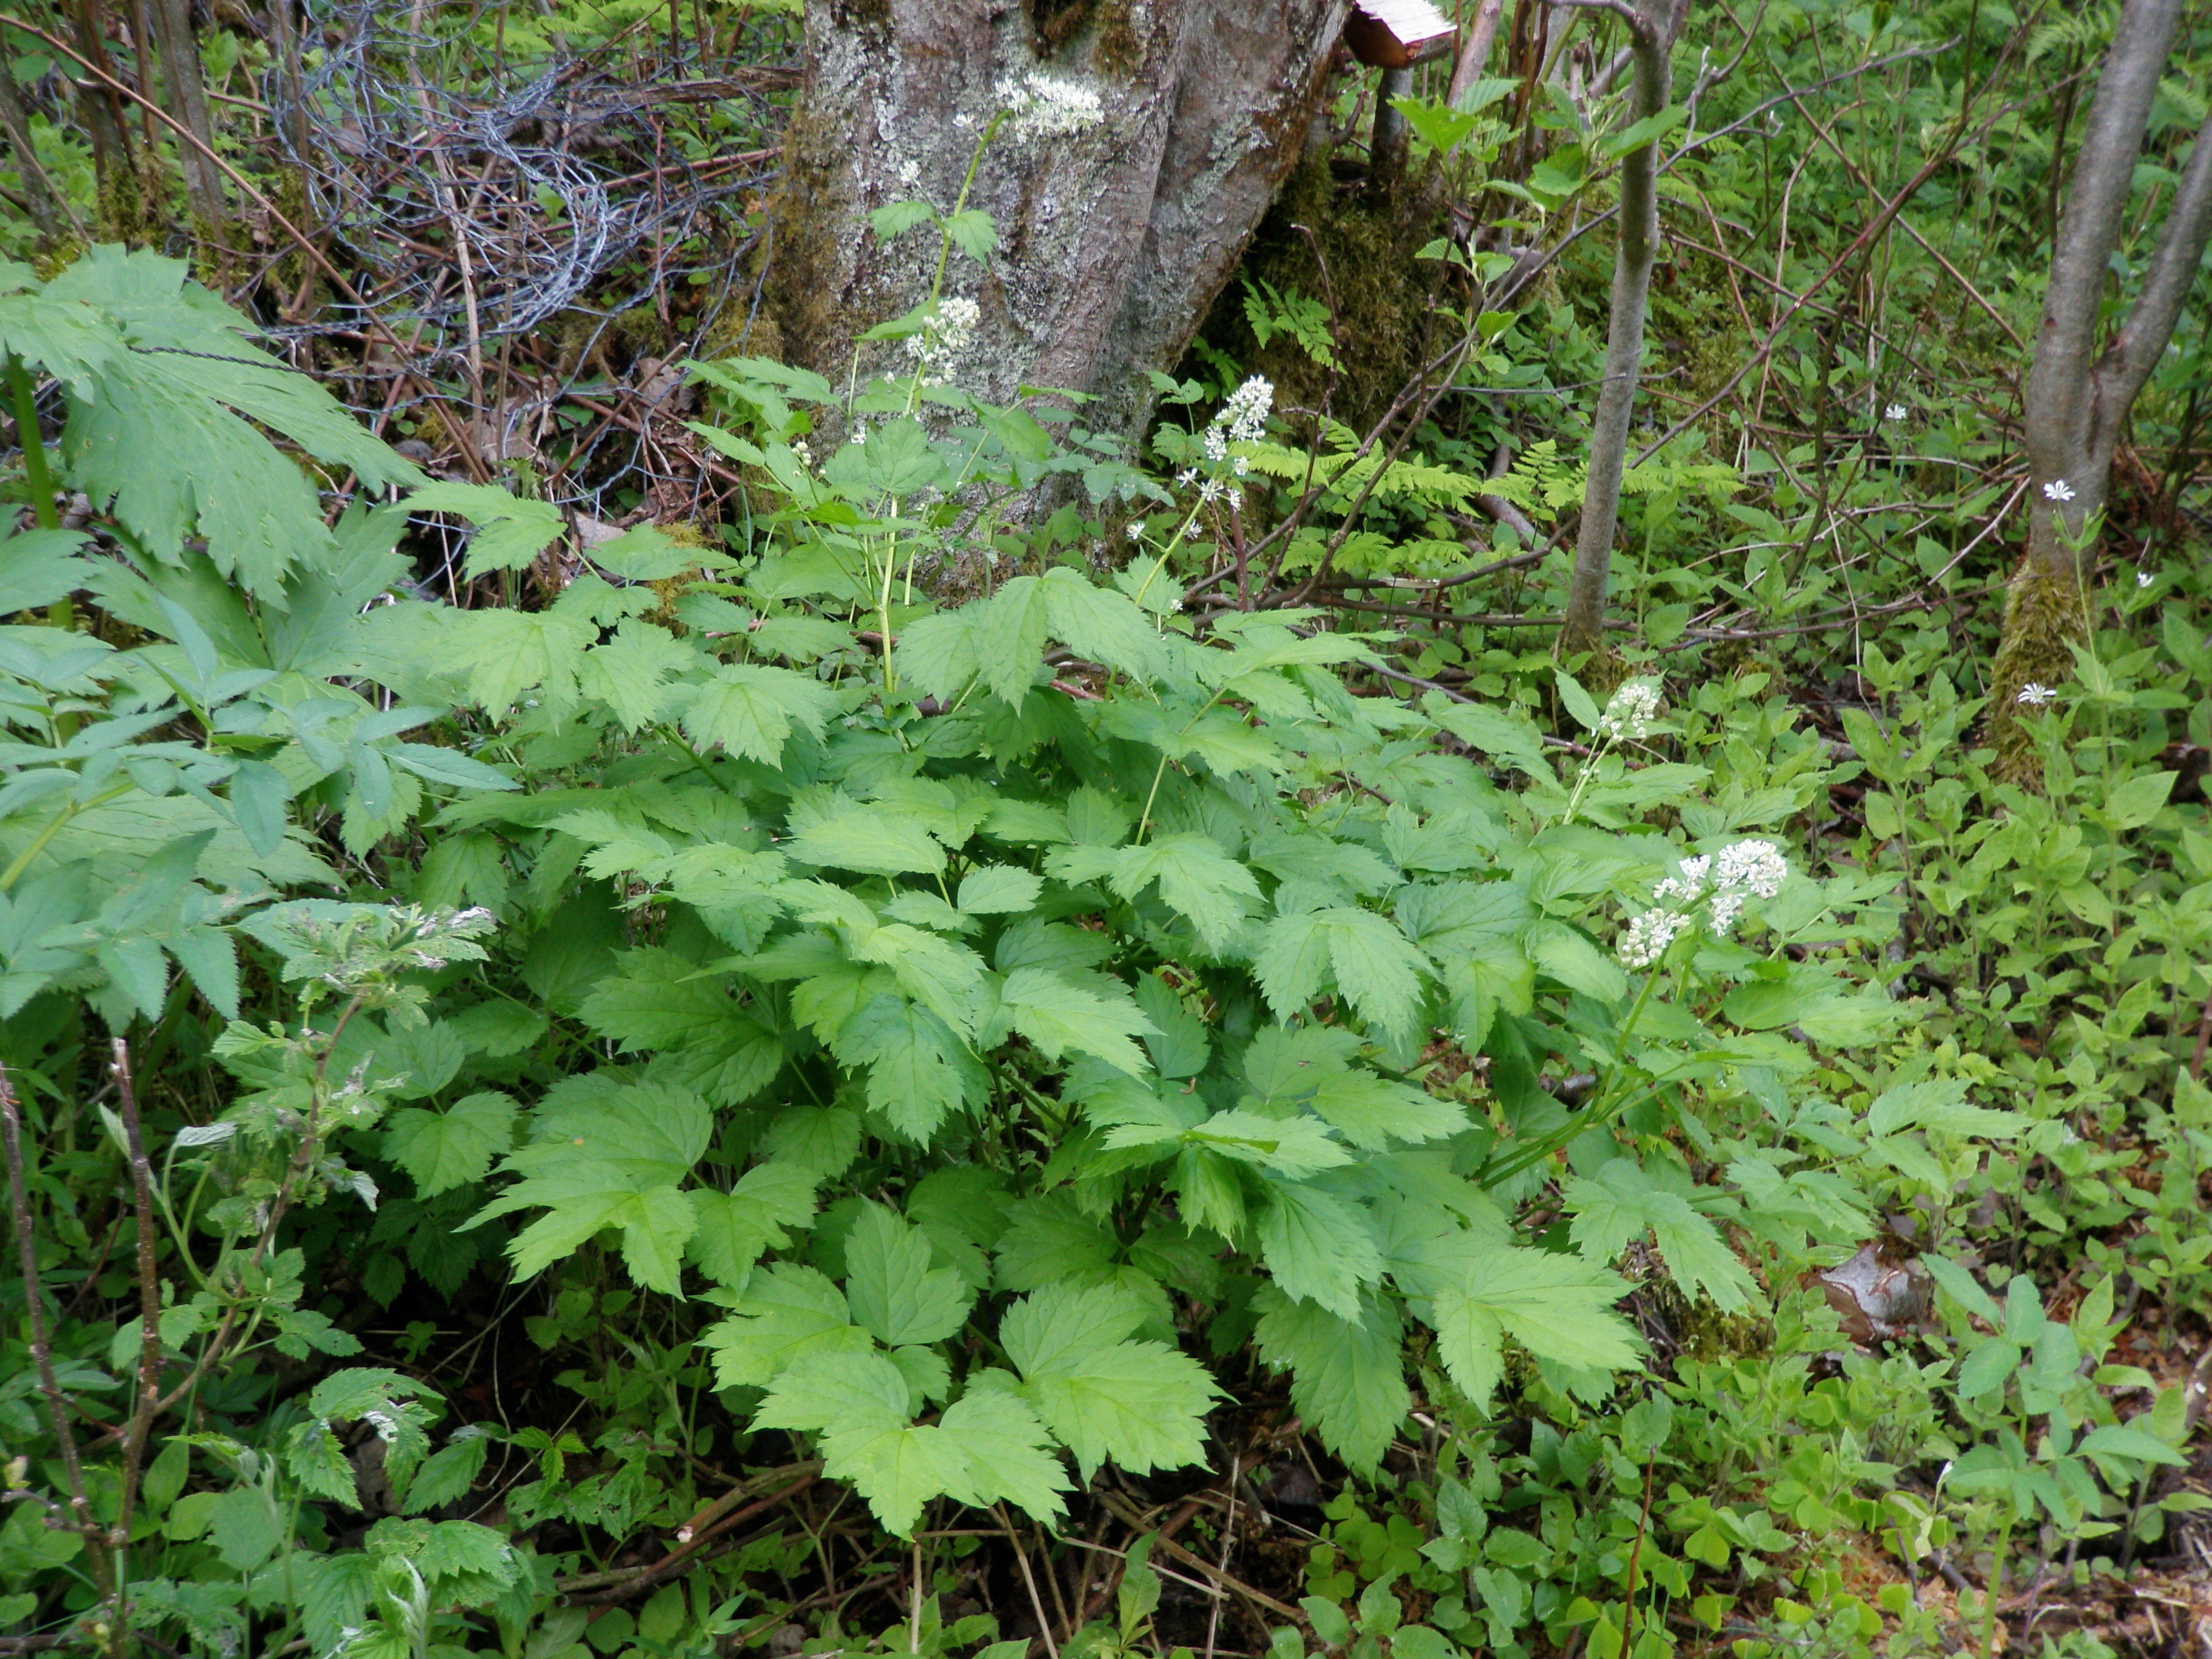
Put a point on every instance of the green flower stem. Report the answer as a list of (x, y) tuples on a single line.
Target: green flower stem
[(36, 472)]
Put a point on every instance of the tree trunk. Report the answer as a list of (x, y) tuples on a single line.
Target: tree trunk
[(2078, 397), (187, 91), (1652, 25), (39, 193), (1111, 242), (122, 192)]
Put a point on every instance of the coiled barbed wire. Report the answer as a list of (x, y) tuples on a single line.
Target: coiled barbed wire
[(484, 196)]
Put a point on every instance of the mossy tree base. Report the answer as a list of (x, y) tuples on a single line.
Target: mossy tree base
[(2046, 614)]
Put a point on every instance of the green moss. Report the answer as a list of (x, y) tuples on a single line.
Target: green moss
[(813, 330), (1380, 295), (2046, 613)]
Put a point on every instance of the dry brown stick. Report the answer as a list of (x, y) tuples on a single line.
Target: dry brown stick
[(470, 459), (1128, 1514), (96, 1537), (623, 1581), (1029, 1582)]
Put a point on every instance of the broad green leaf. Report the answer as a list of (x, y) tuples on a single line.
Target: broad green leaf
[(1102, 624), (1372, 1112), (511, 530), (788, 1312), (1940, 1104), (890, 1286), (918, 1070), (750, 709), (1103, 1395), (869, 839), (1007, 1453), (1569, 957), (451, 1148), (727, 1050), (2138, 801), (38, 566), (999, 890), (829, 1391), (734, 1228), (1293, 1146), (1616, 1206), (897, 1468), (1348, 1377), (1558, 1307), (1365, 956), (1050, 1238), (1060, 1018), (1319, 1247)]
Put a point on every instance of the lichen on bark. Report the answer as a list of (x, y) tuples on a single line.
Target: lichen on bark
[(1111, 242)]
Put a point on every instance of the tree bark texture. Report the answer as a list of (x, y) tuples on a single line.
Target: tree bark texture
[(2078, 398), (181, 79), (1653, 27), (39, 193), (1111, 242)]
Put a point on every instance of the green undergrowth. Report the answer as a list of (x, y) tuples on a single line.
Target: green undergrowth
[(733, 1105)]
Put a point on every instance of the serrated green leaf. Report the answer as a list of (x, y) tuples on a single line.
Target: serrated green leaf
[(1558, 1307), (829, 1391), (890, 1286), (870, 841), (1006, 1454), (734, 1228), (511, 530), (1060, 1018), (993, 889), (919, 1072), (1622, 1201), (1348, 1377), (788, 1312), (750, 709), (1103, 1395), (1365, 956), (1319, 1247), (727, 1050), (447, 1149)]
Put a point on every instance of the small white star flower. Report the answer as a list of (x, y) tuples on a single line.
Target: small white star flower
[(1895, 412), (2035, 695), (2144, 579), (2058, 490)]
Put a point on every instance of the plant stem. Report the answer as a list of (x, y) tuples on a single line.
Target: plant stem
[(149, 1336), (36, 473), (96, 1537)]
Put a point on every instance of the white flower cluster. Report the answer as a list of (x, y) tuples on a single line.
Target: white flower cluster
[(1728, 880), (1242, 419), (1649, 935), (1245, 414), (948, 334), (1046, 106), (1631, 710)]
